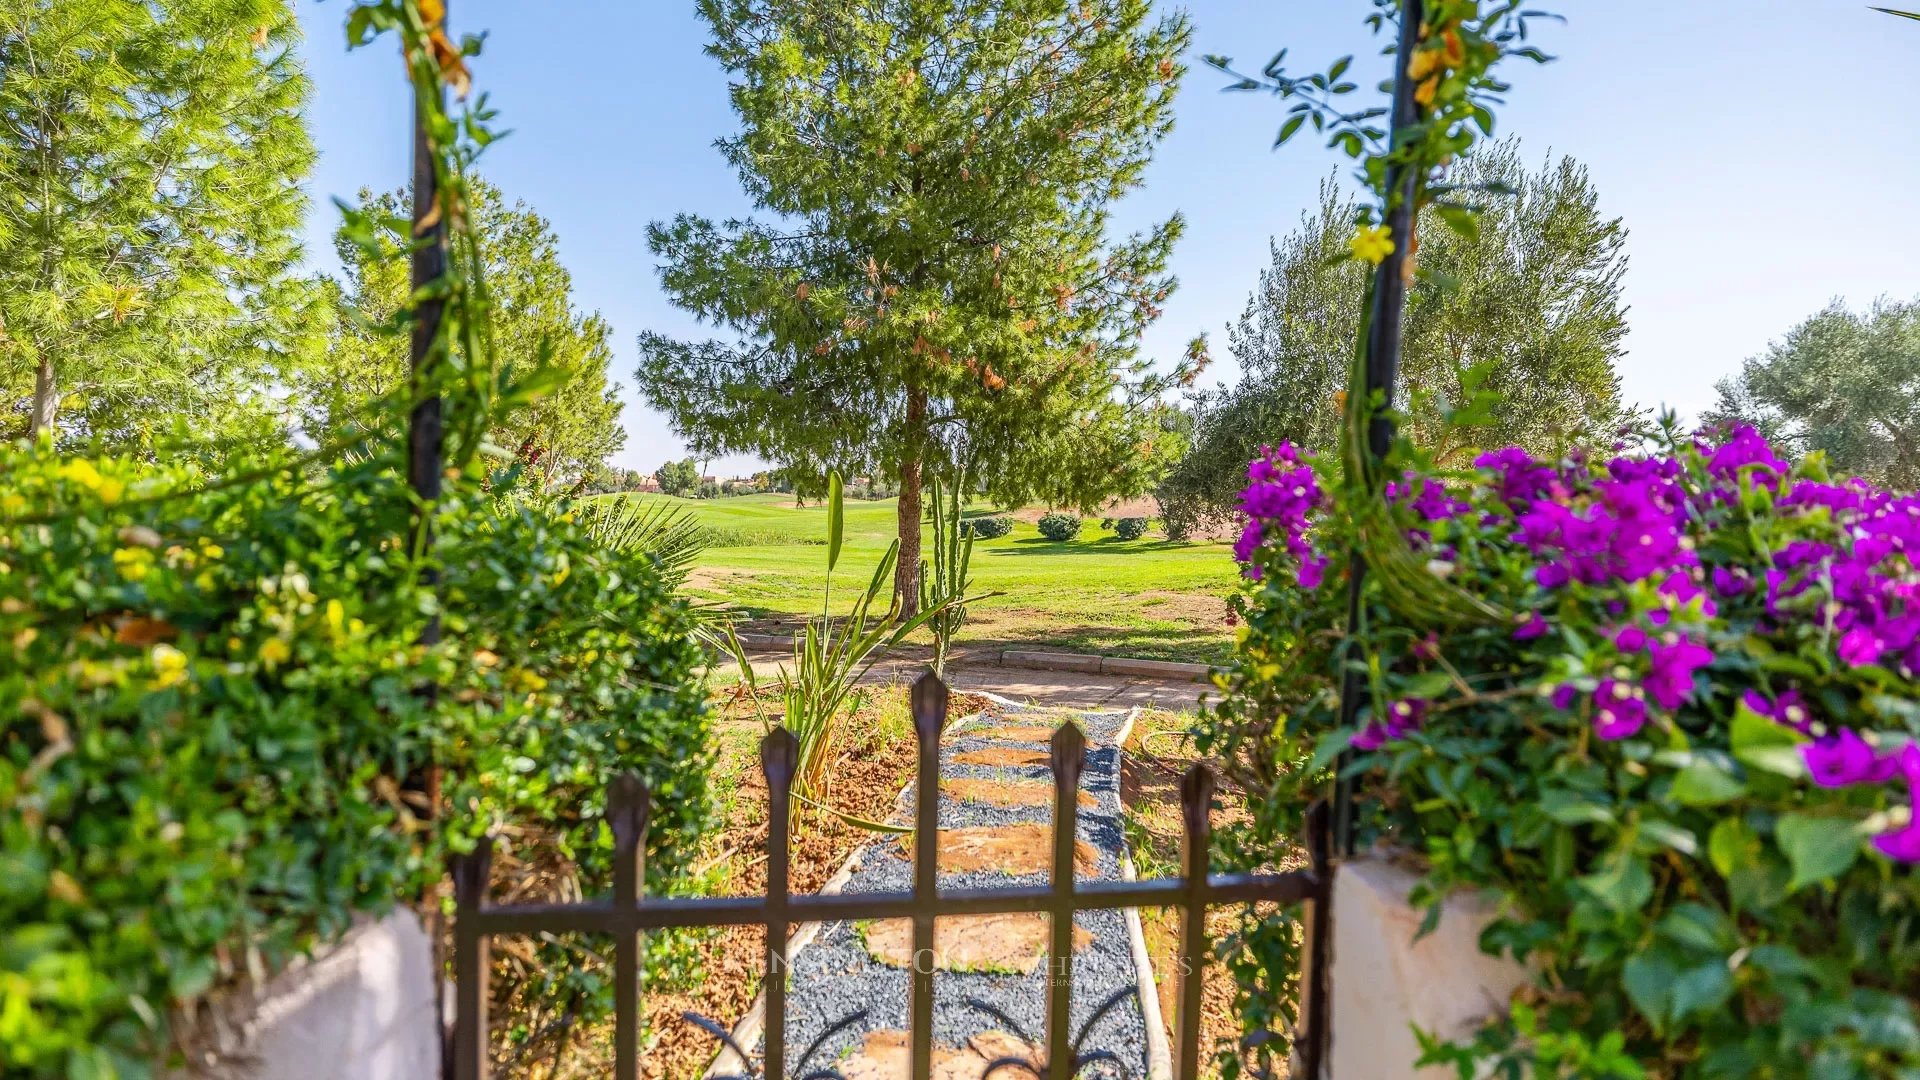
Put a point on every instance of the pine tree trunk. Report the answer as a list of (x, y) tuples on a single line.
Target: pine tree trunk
[(46, 403), (906, 575)]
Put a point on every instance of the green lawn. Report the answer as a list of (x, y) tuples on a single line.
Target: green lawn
[(1097, 593)]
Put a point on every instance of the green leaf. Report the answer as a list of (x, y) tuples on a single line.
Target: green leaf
[(1818, 848), (836, 520), (1574, 808), (1766, 745), (1624, 886), (1732, 846), (1427, 684), (1671, 835), (1702, 988), (1646, 978), (1703, 782), (1288, 129)]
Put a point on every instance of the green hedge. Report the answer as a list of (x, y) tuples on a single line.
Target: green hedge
[(1059, 527), (210, 723), (987, 528)]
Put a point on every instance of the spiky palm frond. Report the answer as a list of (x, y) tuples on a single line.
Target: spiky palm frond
[(665, 532)]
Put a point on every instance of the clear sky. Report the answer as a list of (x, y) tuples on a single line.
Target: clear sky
[(1763, 155)]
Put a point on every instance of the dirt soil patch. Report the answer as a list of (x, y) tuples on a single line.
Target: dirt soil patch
[(1018, 850), (1012, 943), (1005, 793), (1150, 791), (1000, 756), (888, 1055)]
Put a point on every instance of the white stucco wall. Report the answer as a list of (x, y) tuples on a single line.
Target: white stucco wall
[(363, 1009), (1385, 983)]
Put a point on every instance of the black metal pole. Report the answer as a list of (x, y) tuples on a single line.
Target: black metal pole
[(425, 439), (1382, 369), (425, 433)]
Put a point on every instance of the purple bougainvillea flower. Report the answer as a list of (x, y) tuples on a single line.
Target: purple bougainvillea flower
[(1861, 646), (1841, 760), (1670, 682), (1742, 448), (1789, 709), (1552, 575), (1630, 638), (1564, 696), (1904, 844), (1521, 478), (1279, 500), (1730, 582), (1618, 711), (1533, 626), (1402, 718), (1313, 570)]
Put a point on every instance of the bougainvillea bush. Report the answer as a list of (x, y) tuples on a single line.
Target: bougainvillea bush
[(1677, 744), (214, 751)]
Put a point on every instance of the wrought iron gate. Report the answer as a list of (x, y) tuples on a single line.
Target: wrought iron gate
[(628, 914)]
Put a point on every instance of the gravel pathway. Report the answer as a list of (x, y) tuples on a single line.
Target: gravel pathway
[(834, 974)]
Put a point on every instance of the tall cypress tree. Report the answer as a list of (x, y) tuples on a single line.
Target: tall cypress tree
[(935, 283), (150, 152)]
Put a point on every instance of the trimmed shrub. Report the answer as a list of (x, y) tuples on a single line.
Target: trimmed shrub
[(1060, 527), (987, 528), (1130, 528), (1662, 705), (211, 743)]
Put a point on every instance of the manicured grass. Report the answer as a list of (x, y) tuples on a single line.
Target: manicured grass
[(1097, 593)]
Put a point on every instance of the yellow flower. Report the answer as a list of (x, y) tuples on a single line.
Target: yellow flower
[(211, 550), (528, 681), (1373, 243), (1424, 93), (169, 666), (1423, 63), (133, 563), (275, 651), (82, 472), (336, 617)]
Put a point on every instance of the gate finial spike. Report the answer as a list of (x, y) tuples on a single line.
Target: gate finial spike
[(929, 707), (1068, 751), (627, 805), (779, 754)]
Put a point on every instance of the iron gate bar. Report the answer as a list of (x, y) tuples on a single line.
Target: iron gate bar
[(668, 912), (1068, 759), (1196, 842), (929, 702), (628, 913)]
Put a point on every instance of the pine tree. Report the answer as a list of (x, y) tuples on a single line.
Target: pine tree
[(565, 435), (934, 285), (150, 155)]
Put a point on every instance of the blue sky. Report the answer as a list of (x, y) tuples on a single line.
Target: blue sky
[(1759, 153)]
